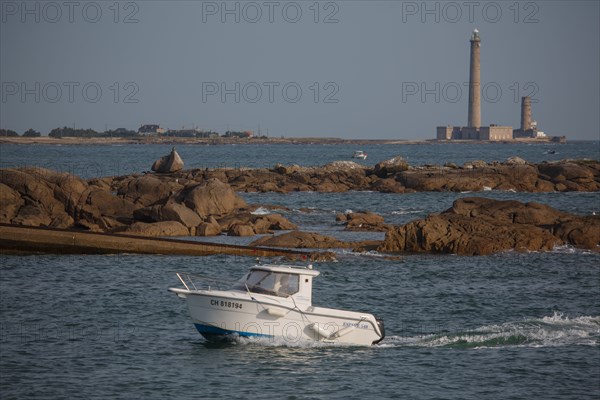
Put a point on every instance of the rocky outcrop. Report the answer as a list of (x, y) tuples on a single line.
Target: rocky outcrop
[(260, 224), (396, 176), (480, 226), (169, 212), (212, 197), (39, 197), (10, 203), (271, 222), (147, 190), (168, 164), (311, 240), (362, 221), (392, 166), (299, 240), (210, 227), (241, 230), (165, 228)]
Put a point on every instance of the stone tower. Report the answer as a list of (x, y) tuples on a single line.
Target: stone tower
[(525, 113), (475, 83)]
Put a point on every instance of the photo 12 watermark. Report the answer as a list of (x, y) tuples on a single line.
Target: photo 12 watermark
[(30, 333), (252, 12), (270, 92), (452, 12), (454, 92), (69, 92), (53, 12)]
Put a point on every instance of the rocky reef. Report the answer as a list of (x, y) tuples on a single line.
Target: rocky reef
[(204, 202), (481, 226), (396, 176), (149, 205)]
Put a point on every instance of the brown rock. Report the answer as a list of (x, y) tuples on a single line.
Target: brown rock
[(341, 217), (147, 190), (212, 197), (365, 221), (567, 172), (62, 221), (168, 212), (286, 169), (479, 226), (33, 189), (266, 223), (111, 205), (391, 166), (209, 228), (388, 185), (32, 216), (168, 164), (164, 228), (241, 230), (515, 161), (299, 240), (10, 203), (583, 232)]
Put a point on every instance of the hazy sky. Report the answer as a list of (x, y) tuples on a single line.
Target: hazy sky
[(352, 69)]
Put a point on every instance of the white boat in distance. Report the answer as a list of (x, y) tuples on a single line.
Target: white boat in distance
[(360, 154), (274, 301)]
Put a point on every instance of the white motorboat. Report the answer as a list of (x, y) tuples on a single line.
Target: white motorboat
[(360, 155), (274, 301)]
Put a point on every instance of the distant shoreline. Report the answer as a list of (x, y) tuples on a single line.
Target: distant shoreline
[(253, 141)]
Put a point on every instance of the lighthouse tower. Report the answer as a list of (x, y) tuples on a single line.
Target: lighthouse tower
[(475, 83)]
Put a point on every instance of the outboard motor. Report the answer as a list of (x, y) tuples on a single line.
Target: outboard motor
[(381, 327)]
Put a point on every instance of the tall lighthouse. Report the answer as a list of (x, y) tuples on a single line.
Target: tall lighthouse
[(475, 83)]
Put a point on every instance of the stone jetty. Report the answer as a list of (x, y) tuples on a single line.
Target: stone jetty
[(49, 240)]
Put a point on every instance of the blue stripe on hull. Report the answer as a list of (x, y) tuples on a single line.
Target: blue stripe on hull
[(212, 332)]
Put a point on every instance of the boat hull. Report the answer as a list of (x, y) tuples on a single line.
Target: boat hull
[(218, 315)]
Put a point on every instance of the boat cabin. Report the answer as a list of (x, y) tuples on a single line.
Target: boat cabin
[(280, 281)]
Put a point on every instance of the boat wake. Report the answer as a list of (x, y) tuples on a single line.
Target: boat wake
[(556, 330)]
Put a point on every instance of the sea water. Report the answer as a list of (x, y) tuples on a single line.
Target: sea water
[(507, 326)]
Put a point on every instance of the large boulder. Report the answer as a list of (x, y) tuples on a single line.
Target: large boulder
[(10, 203), (33, 189), (147, 190), (391, 166), (241, 230), (168, 212), (168, 164), (345, 166), (210, 227), (111, 205), (271, 222), (514, 160), (212, 197), (479, 226), (568, 172), (363, 221), (30, 215)]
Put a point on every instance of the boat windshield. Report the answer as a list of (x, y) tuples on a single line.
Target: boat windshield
[(266, 282)]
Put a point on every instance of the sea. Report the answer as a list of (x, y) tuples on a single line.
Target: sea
[(506, 326)]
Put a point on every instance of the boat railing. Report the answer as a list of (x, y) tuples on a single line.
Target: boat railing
[(201, 282)]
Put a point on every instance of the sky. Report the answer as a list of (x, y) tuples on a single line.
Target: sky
[(346, 69)]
